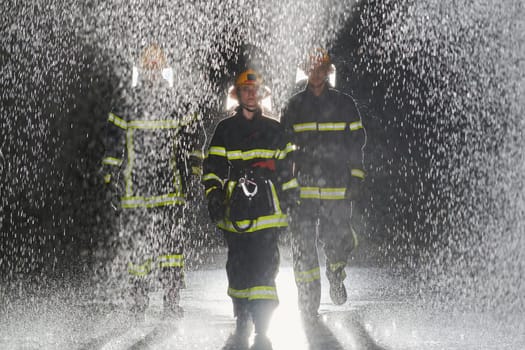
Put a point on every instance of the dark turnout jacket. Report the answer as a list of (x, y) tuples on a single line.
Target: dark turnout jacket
[(329, 136), (238, 147)]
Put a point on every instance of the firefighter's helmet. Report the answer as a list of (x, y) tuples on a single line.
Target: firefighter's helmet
[(153, 58), (317, 57), (248, 77)]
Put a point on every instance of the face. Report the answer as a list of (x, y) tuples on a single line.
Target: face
[(249, 96), (318, 74)]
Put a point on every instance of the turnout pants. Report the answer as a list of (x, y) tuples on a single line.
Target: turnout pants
[(326, 222), (152, 244), (252, 266)]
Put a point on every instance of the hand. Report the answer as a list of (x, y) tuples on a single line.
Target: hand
[(216, 205), (289, 199)]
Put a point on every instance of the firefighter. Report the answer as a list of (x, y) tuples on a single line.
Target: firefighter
[(326, 128), (242, 175), (151, 154)]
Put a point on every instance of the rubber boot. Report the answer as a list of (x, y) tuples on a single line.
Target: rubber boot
[(262, 313), (238, 340), (337, 288), (139, 298)]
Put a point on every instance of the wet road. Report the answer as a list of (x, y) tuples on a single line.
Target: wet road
[(381, 314)]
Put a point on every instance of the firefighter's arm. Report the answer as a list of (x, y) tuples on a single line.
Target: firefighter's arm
[(286, 171), (215, 173), (356, 147), (114, 149), (191, 145)]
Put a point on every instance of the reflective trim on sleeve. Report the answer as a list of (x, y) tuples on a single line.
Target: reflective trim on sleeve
[(197, 154), (176, 260), (217, 151), (355, 125), (154, 124), (196, 170), (293, 183), (254, 293), (150, 202), (107, 178), (307, 276), (338, 265), (251, 154), (131, 160), (121, 123), (331, 126), (305, 127), (112, 161), (358, 173), (139, 270), (211, 176), (207, 192)]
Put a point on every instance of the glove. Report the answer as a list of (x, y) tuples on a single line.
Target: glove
[(216, 205), (289, 199)]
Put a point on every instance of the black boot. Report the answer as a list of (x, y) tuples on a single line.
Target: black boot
[(337, 287)]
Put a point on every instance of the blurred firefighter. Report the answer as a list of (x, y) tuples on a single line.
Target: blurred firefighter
[(151, 154), (326, 128), (242, 176)]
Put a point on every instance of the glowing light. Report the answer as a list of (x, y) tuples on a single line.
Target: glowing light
[(300, 76), (167, 74)]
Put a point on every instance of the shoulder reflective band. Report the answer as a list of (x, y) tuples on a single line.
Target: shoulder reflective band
[(358, 173), (112, 161), (121, 123), (356, 126), (176, 260), (305, 127), (308, 276), (217, 151), (331, 126)]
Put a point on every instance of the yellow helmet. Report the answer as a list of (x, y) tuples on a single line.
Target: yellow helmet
[(248, 77), (317, 57)]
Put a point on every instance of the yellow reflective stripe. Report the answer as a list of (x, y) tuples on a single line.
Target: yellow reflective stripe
[(305, 127), (261, 223), (251, 154), (290, 184), (210, 189), (254, 293), (308, 276), (275, 198), (154, 124), (112, 161), (196, 170), (176, 260), (356, 125), (332, 193), (217, 151), (309, 192), (331, 126), (358, 173), (211, 176), (338, 265), (107, 178), (139, 269), (197, 154), (150, 202), (131, 158), (121, 123)]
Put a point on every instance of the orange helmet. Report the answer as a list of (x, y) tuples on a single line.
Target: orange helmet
[(153, 58), (248, 77), (317, 57)]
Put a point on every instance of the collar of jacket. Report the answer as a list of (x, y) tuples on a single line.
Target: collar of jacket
[(256, 115)]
